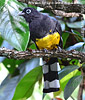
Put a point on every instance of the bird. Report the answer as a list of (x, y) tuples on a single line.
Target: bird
[(46, 33)]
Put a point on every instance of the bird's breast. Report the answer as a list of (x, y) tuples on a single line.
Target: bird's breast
[(48, 42)]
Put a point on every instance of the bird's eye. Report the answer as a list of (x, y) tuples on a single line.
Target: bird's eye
[(28, 11)]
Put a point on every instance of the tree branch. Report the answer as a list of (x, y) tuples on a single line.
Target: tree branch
[(13, 54), (63, 14), (63, 6)]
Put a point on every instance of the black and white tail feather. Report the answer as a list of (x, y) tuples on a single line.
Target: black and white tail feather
[(51, 79)]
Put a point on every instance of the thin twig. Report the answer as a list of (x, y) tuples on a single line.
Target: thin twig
[(72, 98)]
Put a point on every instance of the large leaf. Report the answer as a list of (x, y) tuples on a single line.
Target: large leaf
[(28, 66), (78, 24), (25, 87), (71, 86), (7, 88), (13, 28), (77, 46), (65, 80), (2, 2), (66, 70), (77, 35), (62, 25), (65, 37)]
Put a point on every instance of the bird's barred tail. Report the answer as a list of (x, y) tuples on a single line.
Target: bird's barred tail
[(50, 72)]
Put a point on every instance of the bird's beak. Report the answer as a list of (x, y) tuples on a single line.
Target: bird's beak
[(21, 14)]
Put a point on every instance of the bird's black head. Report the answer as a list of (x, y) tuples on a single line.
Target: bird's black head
[(29, 14)]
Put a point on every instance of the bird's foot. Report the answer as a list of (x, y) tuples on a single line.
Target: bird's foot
[(28, 49)]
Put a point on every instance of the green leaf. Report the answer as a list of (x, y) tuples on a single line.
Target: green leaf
[(77, 35), (66, 70), (65, 80), (78, 24), (65, 37), (74, 62), (67, 0), (62, 25), (71, 86), (7, 87), (2, 2), (25, 87), (13, 28), (82, 1), (12, 64), (33, 46), (32, 6), (77, 46), (1, 40)]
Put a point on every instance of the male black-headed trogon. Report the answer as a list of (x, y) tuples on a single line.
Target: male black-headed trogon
[(46, 34)]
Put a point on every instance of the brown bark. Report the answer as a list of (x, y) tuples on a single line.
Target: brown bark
[(63, 6), (13, 54)]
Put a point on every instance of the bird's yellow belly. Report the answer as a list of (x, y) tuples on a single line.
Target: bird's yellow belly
[(48, 42)]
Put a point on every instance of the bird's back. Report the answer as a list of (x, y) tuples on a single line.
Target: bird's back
[(40, 27)]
